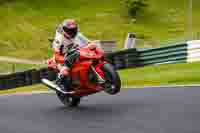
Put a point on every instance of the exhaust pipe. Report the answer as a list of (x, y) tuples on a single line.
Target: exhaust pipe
[(54, 87)]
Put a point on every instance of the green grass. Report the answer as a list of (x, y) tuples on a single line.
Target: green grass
[(26, 25), (173, 74), (35, 88), (161, 75), (6, 67)]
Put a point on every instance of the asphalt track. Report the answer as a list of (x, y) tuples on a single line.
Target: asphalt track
[(149, 110)]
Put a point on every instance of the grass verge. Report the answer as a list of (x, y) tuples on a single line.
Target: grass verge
[(24, 89), (171, 74), (160, 75)]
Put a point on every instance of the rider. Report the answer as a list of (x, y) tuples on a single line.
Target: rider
[(66, 42)]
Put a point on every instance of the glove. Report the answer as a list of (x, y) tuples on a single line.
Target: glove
[(92, 46), (51, 64)]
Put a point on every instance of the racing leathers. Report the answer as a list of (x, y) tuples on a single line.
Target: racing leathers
[(65, 53)]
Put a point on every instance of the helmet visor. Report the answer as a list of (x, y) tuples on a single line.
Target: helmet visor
[(71, 32)]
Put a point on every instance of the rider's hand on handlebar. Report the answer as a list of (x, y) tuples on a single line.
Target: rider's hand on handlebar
[(92, 45), (51, 64)]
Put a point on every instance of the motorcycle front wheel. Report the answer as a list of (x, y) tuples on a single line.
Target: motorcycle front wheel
[(68, 101), (112, 79)]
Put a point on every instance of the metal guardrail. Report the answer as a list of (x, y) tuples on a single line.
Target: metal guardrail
[(164, 54), (138, 58), (131, 58), (29, 77)]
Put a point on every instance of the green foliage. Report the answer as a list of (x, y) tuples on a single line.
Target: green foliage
[(26, 25), (135, 6)]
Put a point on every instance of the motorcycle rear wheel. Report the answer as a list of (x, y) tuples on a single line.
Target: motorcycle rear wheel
[(113, 82), (68, 101)]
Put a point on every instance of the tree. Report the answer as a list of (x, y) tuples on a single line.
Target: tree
[(134, 7)]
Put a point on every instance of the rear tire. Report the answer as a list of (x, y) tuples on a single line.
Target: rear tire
[(68, 101), (113, 82)]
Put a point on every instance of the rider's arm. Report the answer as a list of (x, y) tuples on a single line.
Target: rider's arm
[(82, 40), (85, 42), (58, 48)]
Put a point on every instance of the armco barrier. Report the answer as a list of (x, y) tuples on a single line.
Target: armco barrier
[(131, 58), (25, 78), (193, 51), (161, 55), (124, 59), (138, 58)]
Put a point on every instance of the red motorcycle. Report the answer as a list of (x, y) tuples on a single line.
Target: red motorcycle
[(89, 75)]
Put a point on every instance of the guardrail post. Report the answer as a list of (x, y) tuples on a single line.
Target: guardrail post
[(130, 41)]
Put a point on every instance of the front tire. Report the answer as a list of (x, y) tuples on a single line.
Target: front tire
[(68, 101), (113, 82)]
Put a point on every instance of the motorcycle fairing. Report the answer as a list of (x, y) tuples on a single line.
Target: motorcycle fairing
[(81, 69), (86, 53)]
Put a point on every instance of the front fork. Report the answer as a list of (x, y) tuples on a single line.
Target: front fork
[(100, 79), (99, 73)]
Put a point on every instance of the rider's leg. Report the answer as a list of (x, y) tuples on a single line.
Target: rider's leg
[(64, 80), (71, 58)]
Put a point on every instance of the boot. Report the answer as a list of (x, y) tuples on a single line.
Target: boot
[(67, 83), (63, 82)]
